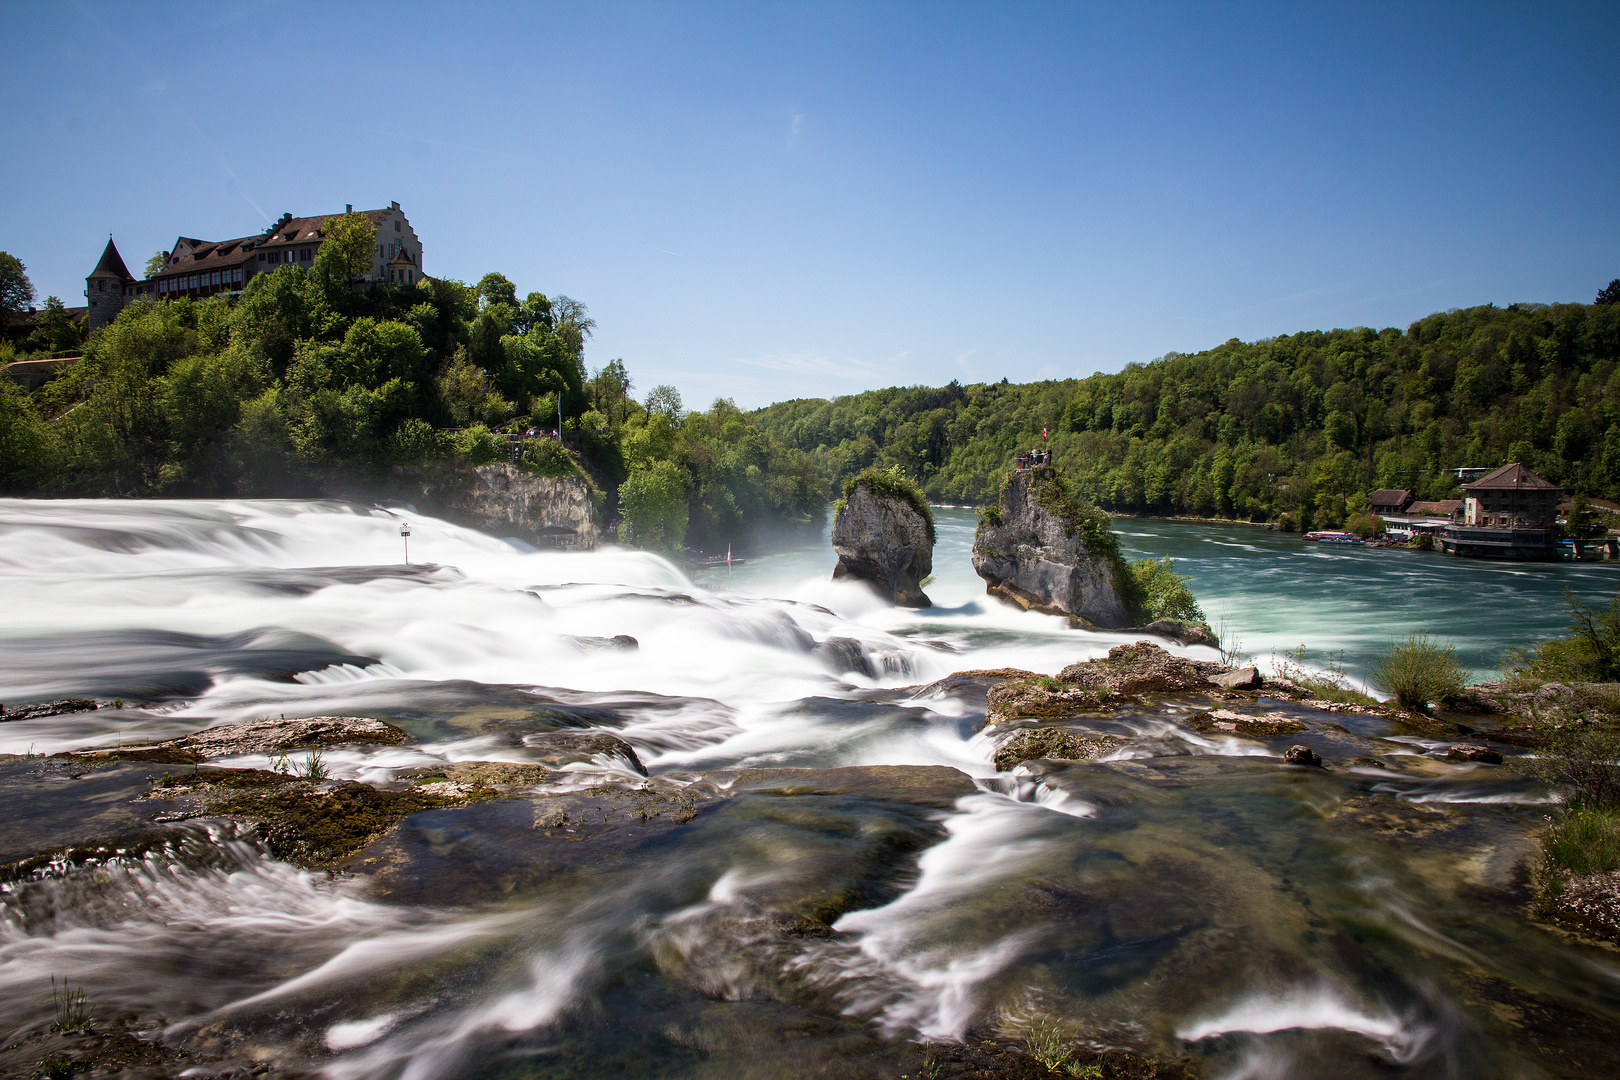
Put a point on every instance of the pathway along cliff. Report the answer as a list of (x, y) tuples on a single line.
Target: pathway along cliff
[(962, 839)]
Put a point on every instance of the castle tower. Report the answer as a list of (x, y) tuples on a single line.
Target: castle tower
[(108, 287)]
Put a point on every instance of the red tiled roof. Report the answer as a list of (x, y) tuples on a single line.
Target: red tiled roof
[(1511, 477)]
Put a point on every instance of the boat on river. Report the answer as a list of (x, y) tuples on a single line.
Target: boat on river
[(1329, 536)]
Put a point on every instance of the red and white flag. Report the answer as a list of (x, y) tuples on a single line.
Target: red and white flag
[(728, 556), (1043, 433)]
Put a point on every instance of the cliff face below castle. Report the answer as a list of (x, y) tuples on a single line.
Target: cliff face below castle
[(503, 500), (1031, 549), (884, 542)]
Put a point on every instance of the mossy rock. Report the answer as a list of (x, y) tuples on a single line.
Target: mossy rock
[(1221, 722), (1042, 698), (891, 485), (304, 822), (1056, 743)]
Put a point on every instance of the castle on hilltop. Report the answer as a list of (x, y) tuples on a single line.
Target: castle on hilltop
[(210, 267)]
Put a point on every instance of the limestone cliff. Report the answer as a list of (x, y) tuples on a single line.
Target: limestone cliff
[(883, 539), (503, 500), (1045, 551)]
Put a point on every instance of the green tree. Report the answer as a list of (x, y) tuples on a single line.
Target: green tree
[(496, 289), (16, 291), (1609, 294), (155, 265), (54, 329), (664, 400), (346, 250), (652, 501)]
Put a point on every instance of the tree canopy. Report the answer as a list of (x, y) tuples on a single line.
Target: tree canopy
[(308, 385), (1304, 425), (16, 291)]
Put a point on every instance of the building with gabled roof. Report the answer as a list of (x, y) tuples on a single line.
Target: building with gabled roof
[(1511, 495), (198, 268), (1509, 513), (1390, 501)]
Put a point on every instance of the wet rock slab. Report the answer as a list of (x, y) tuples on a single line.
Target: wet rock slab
[(258, 737), (305, 822), (49, 803), (834, 834), (1226, 722)]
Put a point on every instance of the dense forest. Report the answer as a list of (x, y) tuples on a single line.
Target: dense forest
[(1304, 425), (311, 385)]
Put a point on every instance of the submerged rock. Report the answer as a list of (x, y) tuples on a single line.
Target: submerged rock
[(559, 748), (1250, 727), (1055, 743), (883, 540), (623, 642), (1045, 551), (843, 654), (1302, 755), (1470, 752)]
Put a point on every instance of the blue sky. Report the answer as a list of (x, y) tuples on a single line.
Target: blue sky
[(766, 201)]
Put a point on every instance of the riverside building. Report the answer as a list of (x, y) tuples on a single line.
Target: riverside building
[(1509, 513), (199, 268)]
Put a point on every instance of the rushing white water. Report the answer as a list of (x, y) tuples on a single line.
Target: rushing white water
[(212, 597), (215, 612)]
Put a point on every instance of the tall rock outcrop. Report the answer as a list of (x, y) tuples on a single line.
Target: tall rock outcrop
[(1043, 550), (503, 500), (884, 536)]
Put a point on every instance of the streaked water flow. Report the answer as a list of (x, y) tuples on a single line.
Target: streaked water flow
[(1186, 895)]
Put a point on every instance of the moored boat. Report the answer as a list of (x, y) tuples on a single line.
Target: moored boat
[(1331, 536)]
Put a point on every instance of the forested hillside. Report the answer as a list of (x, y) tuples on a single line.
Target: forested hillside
[(309, 385), (1305, 424)]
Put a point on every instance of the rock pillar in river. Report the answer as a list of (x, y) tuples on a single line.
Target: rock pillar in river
[(1044, 550), (884, 535)]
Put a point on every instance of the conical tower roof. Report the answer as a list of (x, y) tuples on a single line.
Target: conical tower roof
[(112, 265)]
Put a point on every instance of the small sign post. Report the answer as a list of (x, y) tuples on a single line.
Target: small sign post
[(405, 534)]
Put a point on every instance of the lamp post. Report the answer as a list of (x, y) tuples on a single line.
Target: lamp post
[(405, 534)]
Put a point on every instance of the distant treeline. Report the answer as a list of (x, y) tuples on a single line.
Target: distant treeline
[(1304, 425), (310, 385)]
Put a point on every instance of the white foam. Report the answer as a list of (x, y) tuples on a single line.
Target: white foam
[(1309, 1008)]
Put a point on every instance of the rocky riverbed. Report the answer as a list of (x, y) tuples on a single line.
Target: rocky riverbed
[(1094, 741), (331, 817)]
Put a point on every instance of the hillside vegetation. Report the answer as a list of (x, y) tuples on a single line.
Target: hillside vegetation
[(1303, 425), (309, 385)]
